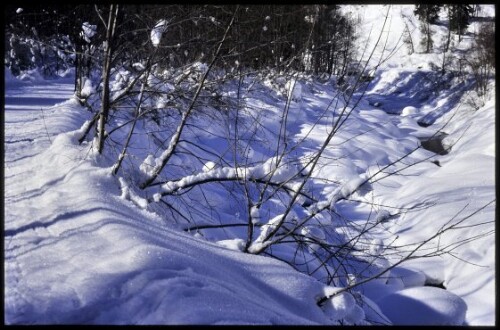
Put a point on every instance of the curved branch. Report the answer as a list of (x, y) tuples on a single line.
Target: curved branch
[(167, 154), (178, 185)]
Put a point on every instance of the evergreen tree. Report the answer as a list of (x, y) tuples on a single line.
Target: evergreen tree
[(459, 16), (427, 13)]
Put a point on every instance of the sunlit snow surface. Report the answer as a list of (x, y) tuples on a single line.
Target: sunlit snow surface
[(75, 252), (79, 250)]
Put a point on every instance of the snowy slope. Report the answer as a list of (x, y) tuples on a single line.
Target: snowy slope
[(77, 253), (464, 182)]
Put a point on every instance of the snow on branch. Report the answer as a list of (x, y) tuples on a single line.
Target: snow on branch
[(158, 31), (129, 194), (88, 31), (343, 192), (279, 173), (275, 224)]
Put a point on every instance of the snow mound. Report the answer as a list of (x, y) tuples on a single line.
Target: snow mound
[(342, 306), (410, 277), (408, 111), (424, 306), (236, 244)]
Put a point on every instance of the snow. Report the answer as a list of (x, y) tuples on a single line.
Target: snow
[(340, 305), (294, 89), (408, 111), (233, 244), (313, 232), (267, 228), (147, 166), (88, 89), (410, 277), (424, 306), (88, 30), (130, 194), (157, 32), (208, 166), (84, 246), (78, 253), (267, 170), (255, 215)]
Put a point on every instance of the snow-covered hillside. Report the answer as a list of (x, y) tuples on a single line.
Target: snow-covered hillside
[(84, 246)]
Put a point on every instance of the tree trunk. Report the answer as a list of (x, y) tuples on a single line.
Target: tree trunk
[(108, 51)]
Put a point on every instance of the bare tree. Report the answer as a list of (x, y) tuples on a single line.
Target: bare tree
[(108, 53)]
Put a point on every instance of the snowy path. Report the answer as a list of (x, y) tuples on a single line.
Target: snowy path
[(25, 109), (28, 110), (26, 136)]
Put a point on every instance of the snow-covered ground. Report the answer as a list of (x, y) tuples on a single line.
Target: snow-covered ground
[(75, 252), (78, 249)]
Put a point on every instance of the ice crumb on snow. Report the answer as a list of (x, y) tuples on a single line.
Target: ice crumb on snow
[(157, 197), (382, 216), (395, 282)]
